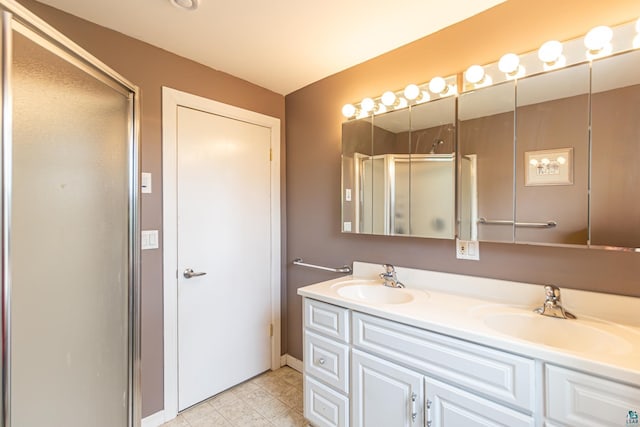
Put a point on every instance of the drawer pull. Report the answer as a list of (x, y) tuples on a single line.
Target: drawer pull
[(428, 414), (321, 361), (414, 412)]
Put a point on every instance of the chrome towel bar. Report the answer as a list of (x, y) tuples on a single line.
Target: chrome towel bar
[(547, 224), (344, 269)]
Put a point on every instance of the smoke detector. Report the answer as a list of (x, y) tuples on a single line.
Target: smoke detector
[(185, 4)]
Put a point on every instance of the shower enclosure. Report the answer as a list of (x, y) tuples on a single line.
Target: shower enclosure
[(69, 267)]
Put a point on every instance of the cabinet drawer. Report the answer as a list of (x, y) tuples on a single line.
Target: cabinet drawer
[(324, 407), (327, 319), (449, 406), (327, 360), (493, 373), (578, 399)]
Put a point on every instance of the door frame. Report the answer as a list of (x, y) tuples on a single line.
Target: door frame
[(171, 99)]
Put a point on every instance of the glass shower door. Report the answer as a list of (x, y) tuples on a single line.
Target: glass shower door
[(69, 248)]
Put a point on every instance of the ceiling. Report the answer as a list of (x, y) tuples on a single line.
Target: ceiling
[(281, 45)]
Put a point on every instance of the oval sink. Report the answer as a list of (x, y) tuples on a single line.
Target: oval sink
[(375, 293), (574, 335)]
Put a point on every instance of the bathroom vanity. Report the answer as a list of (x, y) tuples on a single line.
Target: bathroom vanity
[(451, 350)]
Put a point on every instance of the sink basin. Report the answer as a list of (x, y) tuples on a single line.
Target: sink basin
[(375, 293), (583, 336)]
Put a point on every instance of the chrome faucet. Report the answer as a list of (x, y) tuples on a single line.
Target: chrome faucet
[(552, 305), (389, 277)]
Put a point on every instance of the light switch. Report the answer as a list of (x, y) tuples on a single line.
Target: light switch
[(145, 182), (149, 239), (347, 194), (347, 226)]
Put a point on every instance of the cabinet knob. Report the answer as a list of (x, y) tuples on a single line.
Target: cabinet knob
[(321, 361)]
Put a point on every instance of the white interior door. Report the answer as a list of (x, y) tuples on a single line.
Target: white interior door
[(224, 230)]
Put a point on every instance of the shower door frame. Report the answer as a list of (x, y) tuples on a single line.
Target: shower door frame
[(15, 17)]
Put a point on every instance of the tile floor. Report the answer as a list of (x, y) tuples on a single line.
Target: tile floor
[(273, 399)]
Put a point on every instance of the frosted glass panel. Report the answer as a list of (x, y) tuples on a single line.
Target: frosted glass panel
[(68, 245)]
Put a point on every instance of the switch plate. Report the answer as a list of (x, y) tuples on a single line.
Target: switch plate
[(347, 226), (468, 249), (347, 194), (145, 183), (149, 239)]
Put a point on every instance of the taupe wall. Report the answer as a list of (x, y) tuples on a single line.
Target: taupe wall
[(151, 68), (313, 158)]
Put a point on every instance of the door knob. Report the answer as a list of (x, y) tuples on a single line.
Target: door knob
[(189, 273)]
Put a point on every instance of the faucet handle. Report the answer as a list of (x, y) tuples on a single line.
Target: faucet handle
[(388, 268), (552, 292)]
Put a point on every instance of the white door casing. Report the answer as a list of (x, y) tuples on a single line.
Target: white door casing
[(172, 99)]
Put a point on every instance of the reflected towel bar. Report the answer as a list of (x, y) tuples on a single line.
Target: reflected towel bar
[(344, 269), (548, 224)]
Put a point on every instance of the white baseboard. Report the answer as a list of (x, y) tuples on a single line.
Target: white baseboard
[(154, 420), (294, 363), (283, 360)]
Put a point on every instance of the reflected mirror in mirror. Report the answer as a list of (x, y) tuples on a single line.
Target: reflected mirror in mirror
[(390, 169), (432, 171), (552, 157), (357, 140), (615, 139), (486, 123)]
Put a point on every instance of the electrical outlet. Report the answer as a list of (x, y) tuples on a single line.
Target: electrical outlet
[(468, 249)]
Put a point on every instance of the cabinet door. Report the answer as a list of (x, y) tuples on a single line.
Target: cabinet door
[(448, 406), (384, 394)]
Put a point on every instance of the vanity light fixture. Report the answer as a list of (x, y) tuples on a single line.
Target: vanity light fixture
[(186, 4), (509, 64), (348, 110), (367, 105), (388, 98), (477, 77), (598, 42), (550, 53), (424, 97), (411, 92), (437, 85), (402, 103)]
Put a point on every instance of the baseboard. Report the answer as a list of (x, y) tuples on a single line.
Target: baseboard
[(294, 363), (283, 360), (153, 420)]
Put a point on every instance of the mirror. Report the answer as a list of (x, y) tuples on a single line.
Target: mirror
[(432, 169), (398, 172), (552, 157), (486, 120), (615, 145)]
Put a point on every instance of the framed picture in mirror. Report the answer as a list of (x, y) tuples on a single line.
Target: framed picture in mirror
[(549, 167)]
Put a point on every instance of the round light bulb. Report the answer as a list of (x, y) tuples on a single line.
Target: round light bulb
[(437, 85), (545, 161), (348, 110), (509, 63), (533, 162), (550, 51), (561, 160), (381, 109), (411, 92), (388, 98), (367, 104), (598, 38), (474, 74)]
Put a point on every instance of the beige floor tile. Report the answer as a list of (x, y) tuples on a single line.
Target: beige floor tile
[(179, 421), (272, 409), (290, 419), (223, 399), (201, 410), (212, 420)]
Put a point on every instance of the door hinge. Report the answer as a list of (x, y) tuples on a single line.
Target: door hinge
[(270, 154), (271, 330)]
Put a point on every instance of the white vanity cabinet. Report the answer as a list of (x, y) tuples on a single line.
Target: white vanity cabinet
[(369, 371), (577, 399), (419, 378), (326, 364)]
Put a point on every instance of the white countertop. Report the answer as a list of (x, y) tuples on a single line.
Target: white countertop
[(458, 306)]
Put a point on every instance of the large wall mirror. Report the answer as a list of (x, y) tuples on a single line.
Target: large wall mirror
[(398, 172), (550, 158)]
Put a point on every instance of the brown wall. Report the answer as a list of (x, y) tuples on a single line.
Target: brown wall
[(313, 158), (151, 68)]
